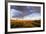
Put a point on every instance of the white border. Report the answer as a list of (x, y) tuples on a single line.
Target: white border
[(24, 29)]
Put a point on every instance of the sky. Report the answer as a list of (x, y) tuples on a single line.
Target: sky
[(25, 12)]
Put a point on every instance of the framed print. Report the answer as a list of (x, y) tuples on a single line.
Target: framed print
[(22, 16)]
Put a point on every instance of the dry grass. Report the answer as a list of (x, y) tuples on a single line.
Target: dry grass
[(24, 23)]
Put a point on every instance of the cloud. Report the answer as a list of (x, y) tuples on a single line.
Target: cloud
[(31, 13), (15, 13), (33, 16)]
